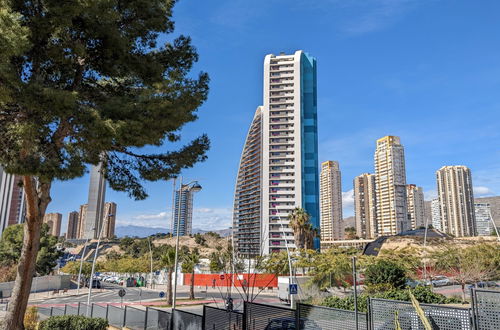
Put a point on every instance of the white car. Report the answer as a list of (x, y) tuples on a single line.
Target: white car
[(440, 281)]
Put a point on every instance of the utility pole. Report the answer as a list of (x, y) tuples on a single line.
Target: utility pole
[(494, 224), (354, 282), (425, 243)]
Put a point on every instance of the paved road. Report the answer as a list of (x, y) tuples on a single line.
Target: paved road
[(109, 294)]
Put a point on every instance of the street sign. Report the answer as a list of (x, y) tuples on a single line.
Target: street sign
[(222, 277), (161, 294), (293, 289), (121, 293)]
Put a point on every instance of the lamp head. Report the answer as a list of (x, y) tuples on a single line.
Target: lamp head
[(195, 187)]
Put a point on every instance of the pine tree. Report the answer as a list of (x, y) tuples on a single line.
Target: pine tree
[(87, 82)]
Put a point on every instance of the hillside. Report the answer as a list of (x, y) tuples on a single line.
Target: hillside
[(212, 244)]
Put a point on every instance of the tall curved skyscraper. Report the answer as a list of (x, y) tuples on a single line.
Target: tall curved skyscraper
[(248, 193), (281, 170)]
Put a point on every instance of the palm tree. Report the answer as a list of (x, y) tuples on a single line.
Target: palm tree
[(188, 264), (303, 230), (168, 261)]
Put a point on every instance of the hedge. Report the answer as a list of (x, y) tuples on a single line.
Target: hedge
[(73, 322)]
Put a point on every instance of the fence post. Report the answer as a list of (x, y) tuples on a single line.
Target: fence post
[(203, 319), (245, 311), (146, 318), (369, 314), (125, 317), (297, 317), (473, 308)]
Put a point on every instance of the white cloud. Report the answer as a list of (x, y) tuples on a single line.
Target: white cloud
[(204, 218), (161, 215), (348, 203), (430, 194), (482, 191)]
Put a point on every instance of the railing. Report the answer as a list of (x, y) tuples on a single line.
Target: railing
[(129, 317), (484, 314)]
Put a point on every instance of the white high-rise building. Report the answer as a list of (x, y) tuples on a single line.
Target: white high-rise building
[(365, 206), (287, 175), (456, 200), (436, 214), (484, 222), (390, 185), (331, 201), (415, 203)]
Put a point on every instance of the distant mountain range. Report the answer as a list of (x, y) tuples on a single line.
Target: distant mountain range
[(141, 231)]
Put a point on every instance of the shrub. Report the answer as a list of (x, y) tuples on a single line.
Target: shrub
[(385, 271), (73, 322), (31, 318), (423, 294)]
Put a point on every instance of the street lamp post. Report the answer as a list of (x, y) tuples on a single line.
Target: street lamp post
[(151, 260), (93, 263), (290, 280), (81, 265), (195, 187)]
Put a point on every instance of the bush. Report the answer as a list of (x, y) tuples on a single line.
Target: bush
[(31, 318), (73, 322), (385, 271), (422, 293)]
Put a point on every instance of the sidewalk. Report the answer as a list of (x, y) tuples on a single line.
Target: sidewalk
[(70, 293)]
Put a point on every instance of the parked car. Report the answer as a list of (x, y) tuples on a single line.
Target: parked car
[(96, 284), (439, 281), (487, 284), (289, 323), (413, 283)]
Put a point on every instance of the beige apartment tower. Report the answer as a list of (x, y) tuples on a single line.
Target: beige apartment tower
[(456, 200), (390, 186), (415, 203), (72, 231), (54, 222), (330, 201), (365, 206), (109, 217), (82, 216)]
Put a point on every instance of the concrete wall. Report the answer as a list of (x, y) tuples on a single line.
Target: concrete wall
[(40, 284)]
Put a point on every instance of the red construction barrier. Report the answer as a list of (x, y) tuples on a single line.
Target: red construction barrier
[(239, 280)]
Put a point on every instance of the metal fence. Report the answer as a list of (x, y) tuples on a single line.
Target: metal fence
[(318, 317), (220, 319), (129, 317), (486, 309), (183, 320), (383, 314), (260, 317)]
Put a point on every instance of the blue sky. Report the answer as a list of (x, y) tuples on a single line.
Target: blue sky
[(425, 70)]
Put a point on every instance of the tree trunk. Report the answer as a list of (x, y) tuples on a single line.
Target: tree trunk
[(463, 293), (37, 199), (191, 289), (169, 288)]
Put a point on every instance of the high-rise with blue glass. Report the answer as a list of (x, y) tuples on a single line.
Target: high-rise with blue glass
[(285, 157)]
